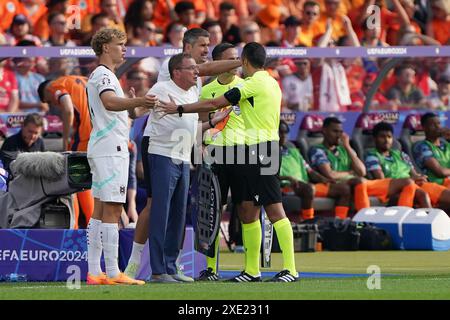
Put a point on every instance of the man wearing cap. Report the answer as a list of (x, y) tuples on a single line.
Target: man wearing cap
[(20, 30)]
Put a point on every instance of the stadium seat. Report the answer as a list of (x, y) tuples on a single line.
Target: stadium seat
[(411, 133), (310, 133), (362, 138)]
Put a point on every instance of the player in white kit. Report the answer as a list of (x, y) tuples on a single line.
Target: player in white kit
[(108, 155)]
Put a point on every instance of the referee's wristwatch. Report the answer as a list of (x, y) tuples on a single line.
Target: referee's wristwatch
[(180, 110)]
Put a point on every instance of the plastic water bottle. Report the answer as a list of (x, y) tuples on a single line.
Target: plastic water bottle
[(15, 277)]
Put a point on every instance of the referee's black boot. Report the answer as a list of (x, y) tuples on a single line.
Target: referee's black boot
[(284, 276), (244, 277), (207, 275)]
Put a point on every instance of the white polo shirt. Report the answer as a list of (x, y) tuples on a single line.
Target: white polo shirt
[(110, 133), (299, 92), (171, 135), (164, 75)]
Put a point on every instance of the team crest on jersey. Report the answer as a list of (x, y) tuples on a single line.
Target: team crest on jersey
[(122, 190), (237, 110), (106, 81)]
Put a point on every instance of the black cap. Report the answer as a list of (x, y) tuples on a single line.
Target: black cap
[(292, 21), (20, 19)]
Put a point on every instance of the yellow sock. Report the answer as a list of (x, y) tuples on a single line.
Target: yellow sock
[(252, 235), (286, 241), (212, 262)]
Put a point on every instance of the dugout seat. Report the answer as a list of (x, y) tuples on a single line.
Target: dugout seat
[(411, 133), (310, 133), (362, 138)]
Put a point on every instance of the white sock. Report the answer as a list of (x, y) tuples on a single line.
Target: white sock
[(110, 242), (136, 253), (94, 246)]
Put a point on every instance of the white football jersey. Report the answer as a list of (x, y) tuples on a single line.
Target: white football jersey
[(110, 132)]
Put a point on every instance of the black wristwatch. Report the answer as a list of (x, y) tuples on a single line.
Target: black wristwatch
[(180, 110)]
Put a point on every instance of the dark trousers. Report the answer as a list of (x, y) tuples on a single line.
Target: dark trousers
[(170, 183)]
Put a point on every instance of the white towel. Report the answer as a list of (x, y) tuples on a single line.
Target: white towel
[(334, 91)]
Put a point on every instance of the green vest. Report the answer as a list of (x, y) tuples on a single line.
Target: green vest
[(443, 157), (292, 165), (396, 169), (341, 162)]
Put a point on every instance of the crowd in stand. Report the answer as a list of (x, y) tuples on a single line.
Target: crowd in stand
[(307, 84)]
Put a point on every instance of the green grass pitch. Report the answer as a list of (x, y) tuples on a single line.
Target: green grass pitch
[(405, 275)]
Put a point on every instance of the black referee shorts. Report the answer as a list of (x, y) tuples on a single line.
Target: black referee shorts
[(146, 165), (254, 177)]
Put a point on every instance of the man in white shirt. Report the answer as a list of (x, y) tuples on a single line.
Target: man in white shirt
[(171, 141), (298, 88), (108, 156)]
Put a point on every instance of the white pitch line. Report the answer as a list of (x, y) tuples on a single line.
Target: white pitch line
[(36, 287)]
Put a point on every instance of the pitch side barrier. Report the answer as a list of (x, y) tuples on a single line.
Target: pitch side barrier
[(297, 52), (393, 54)]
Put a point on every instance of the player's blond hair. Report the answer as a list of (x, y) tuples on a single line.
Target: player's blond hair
[(105, 36)]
